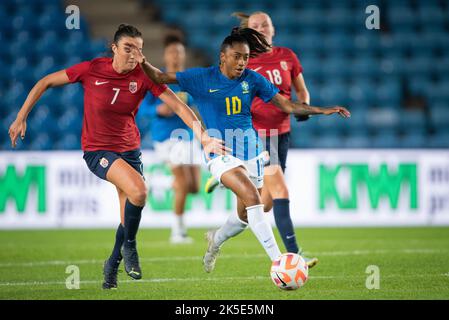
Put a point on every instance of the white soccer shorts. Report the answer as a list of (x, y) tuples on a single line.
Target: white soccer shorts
[(180, 152), (254, 167)]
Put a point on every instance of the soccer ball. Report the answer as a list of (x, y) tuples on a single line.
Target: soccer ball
[(289, 271)]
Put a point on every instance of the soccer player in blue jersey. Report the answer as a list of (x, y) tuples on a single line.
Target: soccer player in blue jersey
[(182, 155), (223, 95)]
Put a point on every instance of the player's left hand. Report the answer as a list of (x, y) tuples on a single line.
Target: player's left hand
[(337, 109)]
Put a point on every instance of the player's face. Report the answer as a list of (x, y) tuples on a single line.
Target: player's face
[(261, 22), (125, 52), (175, 56), (235, 59)]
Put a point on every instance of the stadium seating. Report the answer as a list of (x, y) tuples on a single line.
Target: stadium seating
[(36, 42), (373, 72)]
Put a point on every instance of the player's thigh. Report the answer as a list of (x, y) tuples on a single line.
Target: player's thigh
[(274, 182), (127, 179), (238, 181)]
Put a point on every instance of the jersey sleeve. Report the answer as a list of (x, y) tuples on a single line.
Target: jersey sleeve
[(264, 88), (296, 66), (191, 80), (77, 71), (155, 89)]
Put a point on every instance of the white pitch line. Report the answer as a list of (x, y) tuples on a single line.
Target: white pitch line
[(230, 256), (215, 279), (40, 283)]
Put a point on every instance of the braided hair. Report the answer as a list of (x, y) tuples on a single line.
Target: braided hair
[(255, 41)]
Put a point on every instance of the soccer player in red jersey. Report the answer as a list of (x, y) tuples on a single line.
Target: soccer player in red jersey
[(282, 67), (113, 90)]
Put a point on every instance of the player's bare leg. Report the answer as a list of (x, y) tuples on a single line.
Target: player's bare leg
[(250, 212), (186, 181), (238, 181)]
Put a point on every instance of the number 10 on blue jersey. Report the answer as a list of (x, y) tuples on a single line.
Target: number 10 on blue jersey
[(236, 105)]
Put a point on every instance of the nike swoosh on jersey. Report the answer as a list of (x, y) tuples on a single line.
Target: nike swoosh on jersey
[(97, 83), (257, 69), (213, 90)]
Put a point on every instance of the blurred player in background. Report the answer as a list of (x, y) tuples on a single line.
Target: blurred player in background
[(223, 95), (184, 156), (113, 89), (281, 67)]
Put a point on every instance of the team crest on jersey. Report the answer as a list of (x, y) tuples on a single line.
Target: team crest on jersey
[(133, 86), (245, 87), (284, 65), (104, 162)]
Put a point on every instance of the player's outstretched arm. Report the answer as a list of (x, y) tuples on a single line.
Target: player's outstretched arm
[(302, 93), (19, 126), (210, 145), (303, 109), (156, 75)]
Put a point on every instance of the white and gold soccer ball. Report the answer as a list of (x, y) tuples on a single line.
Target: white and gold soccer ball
[(289, 271)]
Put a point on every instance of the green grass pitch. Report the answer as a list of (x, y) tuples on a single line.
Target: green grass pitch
[(413, 264)]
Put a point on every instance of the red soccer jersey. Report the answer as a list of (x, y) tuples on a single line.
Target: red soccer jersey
[(280, 66), (111, 101)]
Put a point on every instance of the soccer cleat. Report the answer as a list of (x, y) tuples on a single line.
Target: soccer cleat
[(181, 239), (110, 275), (131, 259), (212, 252), (311, 262), (211, 184)]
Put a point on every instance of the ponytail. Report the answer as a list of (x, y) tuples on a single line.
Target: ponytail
[(243, 17), (256, 42)]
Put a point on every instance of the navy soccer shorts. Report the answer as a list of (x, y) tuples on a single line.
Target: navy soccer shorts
[(99, 162), (277, 146)]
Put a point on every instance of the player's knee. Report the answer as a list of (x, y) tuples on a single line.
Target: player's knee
[(139, 195), (280, 191)]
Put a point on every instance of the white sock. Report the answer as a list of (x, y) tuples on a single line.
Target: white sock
[(263, 231), (178, 227), (232, 227)]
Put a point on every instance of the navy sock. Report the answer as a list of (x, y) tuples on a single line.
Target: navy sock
[(132, 220), (281, 210), (119, 238)]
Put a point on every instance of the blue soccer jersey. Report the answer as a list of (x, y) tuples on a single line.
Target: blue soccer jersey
[(163, 127), (225, 105)]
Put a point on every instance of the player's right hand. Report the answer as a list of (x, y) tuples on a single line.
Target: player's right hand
[(215, 146), (16, 128)]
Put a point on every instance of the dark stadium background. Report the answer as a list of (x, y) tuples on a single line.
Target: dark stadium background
[(395, 80)]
